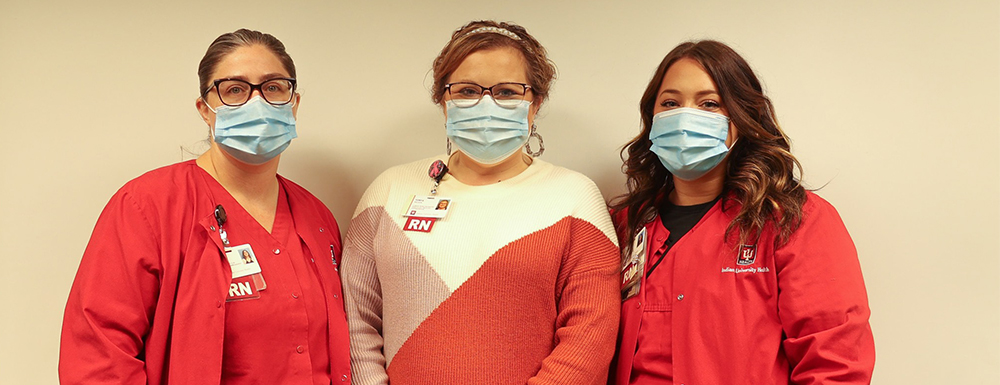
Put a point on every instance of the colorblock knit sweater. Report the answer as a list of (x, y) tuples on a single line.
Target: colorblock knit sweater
[(518, 284)]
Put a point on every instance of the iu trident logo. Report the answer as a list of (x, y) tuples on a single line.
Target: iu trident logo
[(747, 255)]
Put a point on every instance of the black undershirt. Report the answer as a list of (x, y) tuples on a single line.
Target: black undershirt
[(678, 220)]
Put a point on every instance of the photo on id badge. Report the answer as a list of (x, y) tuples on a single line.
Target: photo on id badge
[(242, 260), (247, 280)]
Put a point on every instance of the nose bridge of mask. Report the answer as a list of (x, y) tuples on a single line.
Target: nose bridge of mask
[(487, 109), (691, 122), (256, 99)]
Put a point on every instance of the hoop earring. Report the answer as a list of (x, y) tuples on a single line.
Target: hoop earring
[(448, 140), (541, 143)]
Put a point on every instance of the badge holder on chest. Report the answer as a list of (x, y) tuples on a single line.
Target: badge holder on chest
[(424, 211), (633, 267), (247, 280)]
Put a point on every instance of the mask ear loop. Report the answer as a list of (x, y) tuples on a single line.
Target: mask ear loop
[(203, 100)]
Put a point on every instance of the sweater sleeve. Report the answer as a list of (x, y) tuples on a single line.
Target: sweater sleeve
[(822, 302), (363, 295), (588, 300), (112, 300)]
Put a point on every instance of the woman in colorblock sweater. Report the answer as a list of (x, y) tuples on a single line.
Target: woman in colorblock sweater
[(515, 279)]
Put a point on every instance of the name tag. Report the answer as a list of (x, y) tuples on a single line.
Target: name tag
[(633, 267), (428, 207), (242, 260), (246, 271), (423, 211)]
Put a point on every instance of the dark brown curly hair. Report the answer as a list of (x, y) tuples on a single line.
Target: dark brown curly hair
[(760, 175), (541, 71)]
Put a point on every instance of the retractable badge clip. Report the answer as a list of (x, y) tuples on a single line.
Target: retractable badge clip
[(220, 218), (436, 172)]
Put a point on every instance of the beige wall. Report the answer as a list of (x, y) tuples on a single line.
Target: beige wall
[(894, 110)]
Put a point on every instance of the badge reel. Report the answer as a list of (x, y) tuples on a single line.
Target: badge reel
[(633, 267), (247, 280), (424, 211)]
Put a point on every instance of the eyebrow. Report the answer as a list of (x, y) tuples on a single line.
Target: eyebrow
[(697, 94), (266, 77), (503, 82)]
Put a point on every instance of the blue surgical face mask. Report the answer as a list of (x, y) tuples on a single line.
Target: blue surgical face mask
[(486, 132), (689, 142), (255, 132)]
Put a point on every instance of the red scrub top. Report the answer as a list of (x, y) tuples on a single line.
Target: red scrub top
[(280, 336), (653, 362), (149, 303)]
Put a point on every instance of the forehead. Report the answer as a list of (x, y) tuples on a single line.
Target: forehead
[(687, 75), (491, 66), (253, 63)]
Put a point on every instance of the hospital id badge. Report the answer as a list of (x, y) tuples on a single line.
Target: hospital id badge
[(242, 260), (243, 263), (428, 206), (633, 267), (423, 211)]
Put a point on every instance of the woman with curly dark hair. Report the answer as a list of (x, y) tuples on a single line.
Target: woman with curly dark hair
[(732, 272)]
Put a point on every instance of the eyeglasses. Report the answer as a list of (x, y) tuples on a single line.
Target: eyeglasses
[(235, 92), (507, 95)]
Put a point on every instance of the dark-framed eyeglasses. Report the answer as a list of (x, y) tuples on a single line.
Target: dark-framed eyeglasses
[(466, 94), (236, 92)]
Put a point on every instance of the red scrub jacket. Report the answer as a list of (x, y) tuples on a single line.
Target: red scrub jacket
[(148, 302), (798, 314)]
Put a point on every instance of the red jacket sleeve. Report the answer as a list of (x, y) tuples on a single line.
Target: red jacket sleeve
[(112, 300), (822, 302)]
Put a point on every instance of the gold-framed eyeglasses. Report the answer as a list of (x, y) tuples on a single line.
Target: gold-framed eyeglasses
[(466, 94), (236, 92)]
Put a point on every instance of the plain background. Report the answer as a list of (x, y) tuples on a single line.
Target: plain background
[(893, 109)]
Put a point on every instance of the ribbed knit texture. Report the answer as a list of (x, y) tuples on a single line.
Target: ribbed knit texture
[(518, 284)]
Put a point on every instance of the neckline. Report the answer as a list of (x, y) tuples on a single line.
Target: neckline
[(534, 168), (232, 206)]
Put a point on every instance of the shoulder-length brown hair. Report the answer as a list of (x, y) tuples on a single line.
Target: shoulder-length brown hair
[(760, 177)]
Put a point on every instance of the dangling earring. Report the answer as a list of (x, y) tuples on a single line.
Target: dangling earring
[(449, 145), (541, 143)]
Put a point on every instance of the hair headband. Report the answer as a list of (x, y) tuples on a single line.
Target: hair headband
[(500, 31), (496, 30)]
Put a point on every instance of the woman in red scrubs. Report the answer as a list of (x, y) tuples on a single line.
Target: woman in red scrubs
[(733, 272), (166, 292)]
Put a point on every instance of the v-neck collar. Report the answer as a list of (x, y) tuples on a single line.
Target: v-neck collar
[(241, 218)]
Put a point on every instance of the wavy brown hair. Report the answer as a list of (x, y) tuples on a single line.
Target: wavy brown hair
[(760, 176), (540, 70)]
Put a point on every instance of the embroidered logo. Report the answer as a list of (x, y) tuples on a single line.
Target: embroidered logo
[(747, 255)]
